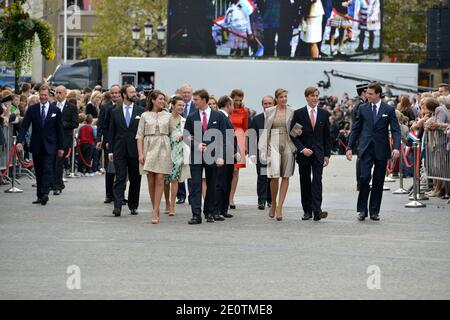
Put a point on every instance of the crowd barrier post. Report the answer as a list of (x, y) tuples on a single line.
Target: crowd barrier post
[(415, 203), (401, 190), (13, 188)]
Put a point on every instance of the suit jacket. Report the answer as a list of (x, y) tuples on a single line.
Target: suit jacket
[(191, 110), (270, 114), (70, 122), (48, 138), (103, 122), (317, 139), (231, 145), (122, 140), (194, 138), (257, 124), (368, 131)]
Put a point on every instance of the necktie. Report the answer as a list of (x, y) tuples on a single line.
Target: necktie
[(374, 112), (313, 119), (204, 122), (127, 116), (43, 115), (186, 110)]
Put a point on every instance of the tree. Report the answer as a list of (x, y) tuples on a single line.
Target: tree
[(114, 23), (405, 28), (18, 31)]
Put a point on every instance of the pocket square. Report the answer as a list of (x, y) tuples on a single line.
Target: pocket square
[(214, 122), (53, 115), (138, 117), (384, 115)]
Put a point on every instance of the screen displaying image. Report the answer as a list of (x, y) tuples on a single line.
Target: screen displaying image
[(146, 80), (327, 29), (129, 78)]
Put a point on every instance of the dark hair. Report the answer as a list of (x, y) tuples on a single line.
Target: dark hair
[(25, 87), (377, 87), (153, 96), (203, 94), (124, 89), (224, 101), (175, 99), (107, 98), (236, 93), (431, 104)]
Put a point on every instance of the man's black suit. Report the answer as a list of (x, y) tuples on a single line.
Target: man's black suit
[(263, 182), (45, 141), (102, 136), (181, 194), (316, 139), (225, 172), (70, 122), (123, 146), (374, 151), (199, 162)]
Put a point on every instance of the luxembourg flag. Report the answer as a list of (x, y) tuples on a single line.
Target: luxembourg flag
[(248, 6), (412, 136)]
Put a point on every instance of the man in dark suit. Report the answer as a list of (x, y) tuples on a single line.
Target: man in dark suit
[(361, 90), (123, 152), (372, 131), (189, 108), (205, 132), (47, 140), (102, 138), (313, 152), (69, 114), (263, 182), (231, 155)]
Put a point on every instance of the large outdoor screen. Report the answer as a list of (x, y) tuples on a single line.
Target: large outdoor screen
[(325, 29)]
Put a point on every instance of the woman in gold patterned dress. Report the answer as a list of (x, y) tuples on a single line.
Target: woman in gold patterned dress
[(154, 149)]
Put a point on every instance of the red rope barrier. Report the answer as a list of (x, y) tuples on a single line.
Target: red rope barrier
[(89, 166), (388, 166), (69, 153), (10, 160), (405, 157), (23, 163)]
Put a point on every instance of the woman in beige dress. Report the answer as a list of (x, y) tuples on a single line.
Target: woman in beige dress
[(154, 150), (278, 150)]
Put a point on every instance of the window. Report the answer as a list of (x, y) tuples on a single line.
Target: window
[(83, 4), (73, 48)]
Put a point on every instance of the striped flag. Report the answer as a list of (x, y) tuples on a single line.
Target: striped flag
[(248, 6), (412, 136)]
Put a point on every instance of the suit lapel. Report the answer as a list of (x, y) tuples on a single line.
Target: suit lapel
[(212, 118), (122, 116), (380, 113), (49, 114), (307, 118)]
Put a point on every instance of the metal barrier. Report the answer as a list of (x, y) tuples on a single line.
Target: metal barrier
[(5, 152), (437, 158)]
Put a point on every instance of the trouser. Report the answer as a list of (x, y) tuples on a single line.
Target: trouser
[(223, 188), (44, 167), (127, 167), (311, 190)]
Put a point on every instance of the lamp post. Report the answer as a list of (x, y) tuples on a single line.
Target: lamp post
[(148, 37)]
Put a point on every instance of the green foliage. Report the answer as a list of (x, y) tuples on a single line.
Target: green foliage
[(113, 27), (405, 27)]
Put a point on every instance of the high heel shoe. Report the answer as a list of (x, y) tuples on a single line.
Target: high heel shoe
[(272, 213), (279, 217), (155, 218)]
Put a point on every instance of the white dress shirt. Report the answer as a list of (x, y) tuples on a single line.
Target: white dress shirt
[(47, 106), (125, 111), (208, 114), (225, 113), (61, 105)]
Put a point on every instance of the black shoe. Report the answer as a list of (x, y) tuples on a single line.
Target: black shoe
[(232, 207), (218, 217), (108, 200), (316, 216), (210, 219), (269, 204), (134, 212), (44, 199), (307, 216), (116, 212), (362, 216), (56, 192), (261, 206), (374, 217), (227, 215), (37, 201), (181, 201), (195, 221)]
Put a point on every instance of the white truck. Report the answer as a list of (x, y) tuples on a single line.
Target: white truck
[(258, 78)]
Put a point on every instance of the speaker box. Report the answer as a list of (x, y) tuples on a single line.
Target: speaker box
[(438, 37)]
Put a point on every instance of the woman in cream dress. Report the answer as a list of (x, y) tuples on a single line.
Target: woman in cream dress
[(154, 149), (278, 150)]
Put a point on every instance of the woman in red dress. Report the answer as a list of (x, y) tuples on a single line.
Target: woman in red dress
[(239, 118)]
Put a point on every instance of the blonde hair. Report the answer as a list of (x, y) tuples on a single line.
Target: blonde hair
[(96, 94)]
